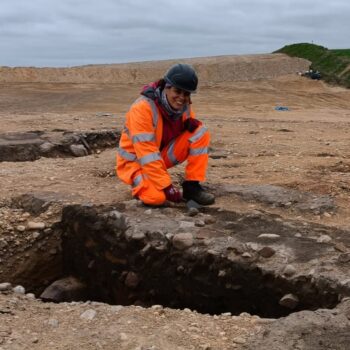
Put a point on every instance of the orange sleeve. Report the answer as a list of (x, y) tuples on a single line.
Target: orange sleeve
[(142, 135)]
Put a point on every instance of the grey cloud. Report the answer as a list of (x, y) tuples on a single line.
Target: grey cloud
[(73, 32)]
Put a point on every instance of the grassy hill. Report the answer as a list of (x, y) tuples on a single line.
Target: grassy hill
[(334, 65)]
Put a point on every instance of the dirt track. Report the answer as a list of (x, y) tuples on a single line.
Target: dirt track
[(304, 148)]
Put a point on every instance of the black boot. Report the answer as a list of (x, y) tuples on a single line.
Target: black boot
[(193, 190)]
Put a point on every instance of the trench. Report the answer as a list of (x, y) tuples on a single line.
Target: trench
[(32, 145), (118, 264)]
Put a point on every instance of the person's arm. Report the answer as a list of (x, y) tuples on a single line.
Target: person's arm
[(143, 138)]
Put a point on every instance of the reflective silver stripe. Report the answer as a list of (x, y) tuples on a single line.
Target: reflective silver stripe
[(198, 151), (143, 137), (150, 158), (171, 154), (138, 100), (153, 107), (126, 130), (154, 112), (137, 180), (198, 134), (188, 113), (126, 155)]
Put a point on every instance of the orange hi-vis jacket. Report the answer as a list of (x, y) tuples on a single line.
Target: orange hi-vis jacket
[(139, 156), (140, 142)]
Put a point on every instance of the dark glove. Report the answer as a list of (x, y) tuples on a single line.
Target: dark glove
[(191, 124), (172, 194)]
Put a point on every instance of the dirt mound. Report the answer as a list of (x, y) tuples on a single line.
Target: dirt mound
[(210, 69)]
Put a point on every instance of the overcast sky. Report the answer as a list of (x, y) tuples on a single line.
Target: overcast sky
[(65, 33)]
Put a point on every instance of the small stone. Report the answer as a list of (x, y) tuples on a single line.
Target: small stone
[(246, 255), (186, 224), (148, 211), (123, 336), (157, 307), (36, 235), (344, 258), (20, 228), (239, 340), (341, 247), (182, 240), (324, 239), (266, 252), (289, 301), (88, 315), (199, 223), (30, 296), (269, 236), (5, 286), (132, 280), (327, 215), (31, 225), (117, 308), (289, 270), (19, 290), (46, 147), (53, 322), (78, 150), (253, 246), (192, 212), (210, 220)]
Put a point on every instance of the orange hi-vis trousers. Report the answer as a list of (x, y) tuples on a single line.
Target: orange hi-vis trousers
[(191, 146)]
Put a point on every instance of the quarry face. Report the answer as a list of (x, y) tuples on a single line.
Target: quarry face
[(265, 267)]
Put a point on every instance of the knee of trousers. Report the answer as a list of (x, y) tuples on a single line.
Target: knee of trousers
[(150, 195)]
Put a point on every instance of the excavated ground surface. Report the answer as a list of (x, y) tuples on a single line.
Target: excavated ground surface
[(282, 215)]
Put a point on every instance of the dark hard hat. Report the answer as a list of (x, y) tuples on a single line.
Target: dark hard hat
[(182, 76)]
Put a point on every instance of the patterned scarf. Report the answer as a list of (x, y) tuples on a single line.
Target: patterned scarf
[(163, 101)]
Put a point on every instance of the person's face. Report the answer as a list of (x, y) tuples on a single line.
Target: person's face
[(177, 98)]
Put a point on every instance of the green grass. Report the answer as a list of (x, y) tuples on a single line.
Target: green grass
[(331, 63), (342, 52)]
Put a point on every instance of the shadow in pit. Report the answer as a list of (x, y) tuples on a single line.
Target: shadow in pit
[(122, 260)]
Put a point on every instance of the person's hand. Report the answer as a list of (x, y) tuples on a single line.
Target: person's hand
[(172, 194), (191, 124)]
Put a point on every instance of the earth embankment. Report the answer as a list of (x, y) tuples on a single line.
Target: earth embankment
[(210, 69)]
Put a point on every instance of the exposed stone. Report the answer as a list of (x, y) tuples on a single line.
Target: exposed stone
[(324, 239), (120, 221), (19, 290), (20, 228), (289, 301), (31, 225), (209, 220), (344, 258), (266, 252), (184, 225), (88, 315), (46, 147), (289, 270), (199, 223), (78, 150), (53, 322), (271, 236), (5, 286), (65, 289), (132, 280), (192, 211), (183, 240)]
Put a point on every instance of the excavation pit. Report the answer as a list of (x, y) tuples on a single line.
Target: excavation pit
[(214, 262), (134, 255)]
